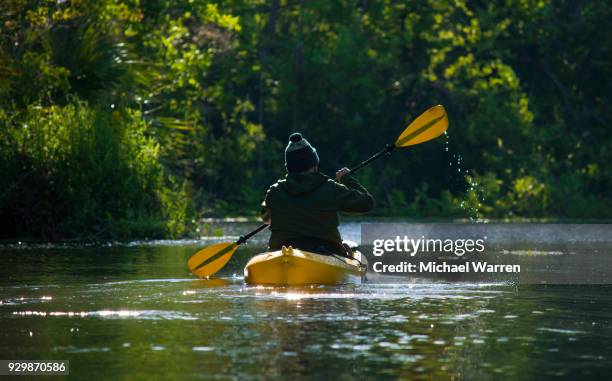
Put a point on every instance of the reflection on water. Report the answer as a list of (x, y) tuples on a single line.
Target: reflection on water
[(135, 312)]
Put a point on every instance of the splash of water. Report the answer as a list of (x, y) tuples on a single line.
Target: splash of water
[(472, 198)]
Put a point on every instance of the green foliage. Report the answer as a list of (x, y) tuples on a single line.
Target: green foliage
[(75, 171), (192, 102)]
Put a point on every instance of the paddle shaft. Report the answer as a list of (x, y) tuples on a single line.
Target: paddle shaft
[(386, 151), (245, 237)]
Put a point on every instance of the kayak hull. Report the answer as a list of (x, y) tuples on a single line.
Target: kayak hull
[(294, 267)]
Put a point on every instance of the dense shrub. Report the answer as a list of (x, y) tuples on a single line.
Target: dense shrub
[(76, 172)]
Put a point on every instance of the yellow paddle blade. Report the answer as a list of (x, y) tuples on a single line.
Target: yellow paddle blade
[(209, 260), (429, 125)]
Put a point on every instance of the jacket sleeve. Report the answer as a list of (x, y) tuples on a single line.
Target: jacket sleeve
[(352, 197)]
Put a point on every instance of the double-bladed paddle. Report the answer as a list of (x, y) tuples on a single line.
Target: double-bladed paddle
[(429, 125)]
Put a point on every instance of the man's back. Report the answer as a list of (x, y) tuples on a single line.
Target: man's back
[(304, 206)]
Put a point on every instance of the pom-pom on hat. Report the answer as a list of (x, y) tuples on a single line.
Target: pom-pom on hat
[(299, 154)]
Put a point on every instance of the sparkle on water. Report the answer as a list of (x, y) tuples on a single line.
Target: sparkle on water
[(134, 312)]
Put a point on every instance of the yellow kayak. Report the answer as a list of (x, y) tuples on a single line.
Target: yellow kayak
[(292, 267)]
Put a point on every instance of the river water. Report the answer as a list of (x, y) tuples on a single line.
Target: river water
[(133, 311)]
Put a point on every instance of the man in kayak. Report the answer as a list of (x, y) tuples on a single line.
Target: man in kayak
[(302, 209)]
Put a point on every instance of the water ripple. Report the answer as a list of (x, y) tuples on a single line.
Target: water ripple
[(110, 314)]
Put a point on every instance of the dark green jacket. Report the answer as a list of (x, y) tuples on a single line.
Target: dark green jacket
[(307, 205)]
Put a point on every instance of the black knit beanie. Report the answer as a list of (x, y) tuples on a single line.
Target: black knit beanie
[(299, 154)]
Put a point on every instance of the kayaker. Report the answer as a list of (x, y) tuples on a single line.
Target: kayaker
[(302, 209)]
